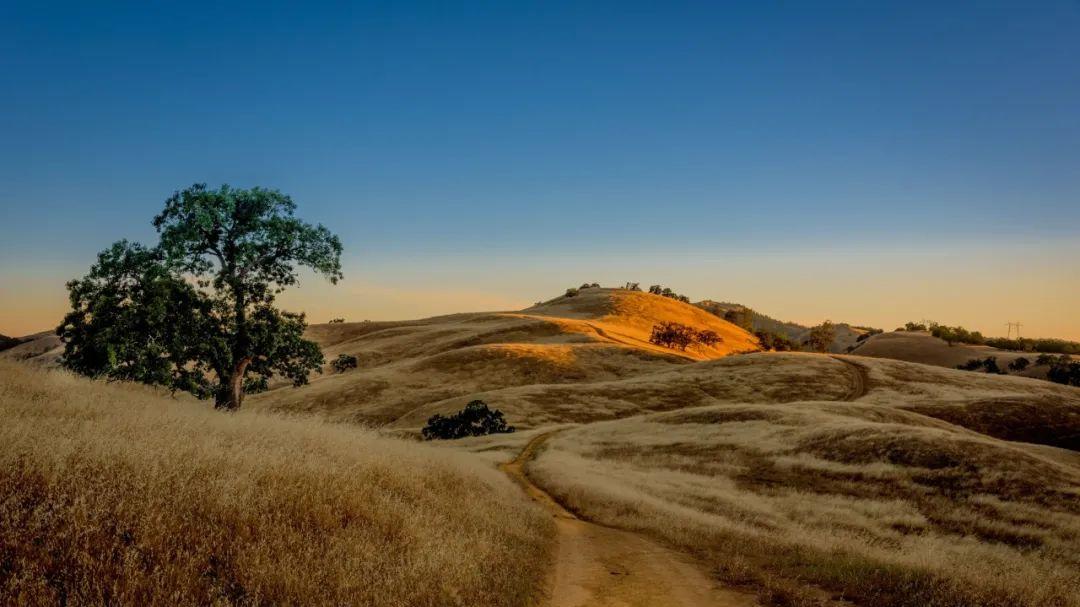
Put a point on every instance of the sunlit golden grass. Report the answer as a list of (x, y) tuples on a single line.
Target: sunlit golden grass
[(811, 502), (118, 495)]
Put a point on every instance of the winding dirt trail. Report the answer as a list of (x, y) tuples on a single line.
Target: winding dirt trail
[(860, 379), (604, 567)]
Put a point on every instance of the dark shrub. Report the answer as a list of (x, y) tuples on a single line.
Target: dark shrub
[(571, 292), (708, 338), (1019, 364), (673, 335), (773, 341), (335, 321), (476, 419), (344, 362)]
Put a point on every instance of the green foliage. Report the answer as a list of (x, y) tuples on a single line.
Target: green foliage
[(914, 326), (593, 285), (679, 336), (988, 364), (821, 337), (957, 334), (774, 342), (741, 317), (1019, 364), (632, 286), (1025, 344), (666, 292), (344, 362), (195, 313), (1063, 369), (336, 321), (673, 335), (708, 338), (476, 419), (571, 292)]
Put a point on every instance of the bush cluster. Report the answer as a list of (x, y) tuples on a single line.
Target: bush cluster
[(989, 364), (344, 362), (476, 419), (336, 321), (774, 341), (679, 336), (1063, 369)]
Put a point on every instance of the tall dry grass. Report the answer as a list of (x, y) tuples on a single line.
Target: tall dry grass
[(821, 503), (118, 495)]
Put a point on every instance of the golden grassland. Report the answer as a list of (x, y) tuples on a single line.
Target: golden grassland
[(118, 495), (867, 502), (411, 370), (807, 479)]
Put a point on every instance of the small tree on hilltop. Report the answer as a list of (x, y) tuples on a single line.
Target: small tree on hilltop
[(571, 292), (196, 313), (821, 337)]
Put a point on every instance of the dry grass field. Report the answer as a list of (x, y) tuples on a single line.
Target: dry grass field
[(411, 370), (870, 502), (118, 495), (715, 476)]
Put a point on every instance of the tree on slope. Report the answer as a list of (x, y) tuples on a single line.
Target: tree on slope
[(196, 313), (821, 337)]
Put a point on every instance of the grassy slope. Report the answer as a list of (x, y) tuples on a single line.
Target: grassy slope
[(921, 347), (411, 370), (115, 494), (869, 501)]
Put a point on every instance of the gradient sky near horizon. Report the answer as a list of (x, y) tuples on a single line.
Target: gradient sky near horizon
[(861, 161)]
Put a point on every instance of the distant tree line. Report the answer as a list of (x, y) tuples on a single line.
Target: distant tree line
[(988, 364), (958, 334), (678, 336), (1063, 369), (666, 292)]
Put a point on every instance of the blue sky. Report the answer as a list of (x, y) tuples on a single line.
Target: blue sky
[(494, 141)]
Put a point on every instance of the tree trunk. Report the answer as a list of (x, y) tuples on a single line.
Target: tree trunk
[(232, 397)]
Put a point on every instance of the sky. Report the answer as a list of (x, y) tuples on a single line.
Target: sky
[(858, 161)]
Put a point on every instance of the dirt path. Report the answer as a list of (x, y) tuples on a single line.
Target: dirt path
[(601, 566), (860, 380)]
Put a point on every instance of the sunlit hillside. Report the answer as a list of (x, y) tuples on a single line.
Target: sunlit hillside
[(410, 370)]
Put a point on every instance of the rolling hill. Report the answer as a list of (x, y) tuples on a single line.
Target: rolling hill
[(846, 337), (744, 477), (921, 347), (411, 370)]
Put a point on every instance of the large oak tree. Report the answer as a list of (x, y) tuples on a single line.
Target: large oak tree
[(196, 313)]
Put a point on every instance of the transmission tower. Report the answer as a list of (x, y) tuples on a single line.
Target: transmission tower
[(1008, 334)]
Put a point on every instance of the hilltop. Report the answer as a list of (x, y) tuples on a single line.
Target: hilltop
[(922, 347), (411, 370)]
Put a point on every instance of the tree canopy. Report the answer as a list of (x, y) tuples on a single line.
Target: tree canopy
[(196, 312)]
